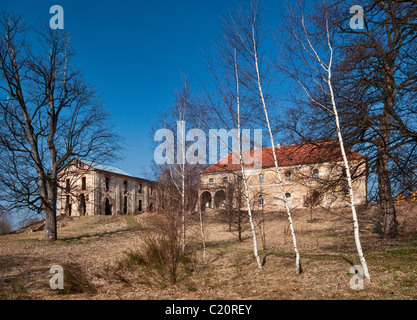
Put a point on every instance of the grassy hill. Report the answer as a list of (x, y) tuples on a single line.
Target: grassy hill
[(103, 258)]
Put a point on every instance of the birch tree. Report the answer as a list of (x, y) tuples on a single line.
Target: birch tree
[(246, 32), (314, 72), (178, 176)]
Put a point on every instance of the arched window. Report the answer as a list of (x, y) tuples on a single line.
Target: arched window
[(288, 176), (316, 173), (211, 181), (261, 178), (288, 195), (261, 200)]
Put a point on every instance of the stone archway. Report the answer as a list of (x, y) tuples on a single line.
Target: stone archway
[(219, 199), (205, 200)]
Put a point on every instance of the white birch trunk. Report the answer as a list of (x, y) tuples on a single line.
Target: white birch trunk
[(298, 268), (328, 70), (242, 167), (348, 174)]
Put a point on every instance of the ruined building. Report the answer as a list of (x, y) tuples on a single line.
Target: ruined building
[(89, 188), (312, 174)]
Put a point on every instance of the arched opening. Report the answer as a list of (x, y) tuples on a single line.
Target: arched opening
[(125, 205), (205, 200), (219, 199), (68, 206), (82, 207), (261, 200), (107, 210)]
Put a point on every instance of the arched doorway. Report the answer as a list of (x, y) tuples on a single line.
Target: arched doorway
[(68, 206), (205, 200), (219, 199), (107, 210), (82, 207)]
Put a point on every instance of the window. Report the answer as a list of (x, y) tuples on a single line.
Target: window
[(261, 200), (67, 185), (83, 183), (316, 173), (225, 180), (107, 183), (140, 188), (211, 181), (150, 190), (125, 185), (288, 195), (288, 176), (261, 178)]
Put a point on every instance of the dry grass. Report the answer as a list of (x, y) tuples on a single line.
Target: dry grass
[(96, 248)]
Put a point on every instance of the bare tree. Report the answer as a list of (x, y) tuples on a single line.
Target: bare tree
[(49, 115), (247, 33), (178, 177), (377, 84), (311, 66)]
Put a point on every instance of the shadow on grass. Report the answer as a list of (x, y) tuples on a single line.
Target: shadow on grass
[(98, 235)]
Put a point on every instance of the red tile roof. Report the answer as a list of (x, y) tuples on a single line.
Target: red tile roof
[(291, 155)]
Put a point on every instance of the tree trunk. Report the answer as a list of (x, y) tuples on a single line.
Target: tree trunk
[(50, 209), (390, 223)]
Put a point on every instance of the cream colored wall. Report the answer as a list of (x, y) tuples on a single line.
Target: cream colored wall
[(301, 185), (96, 192)]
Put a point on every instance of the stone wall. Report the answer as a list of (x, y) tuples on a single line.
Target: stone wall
[(84, 191)]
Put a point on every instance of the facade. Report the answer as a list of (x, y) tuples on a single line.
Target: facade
[(89, 188), (312, 175)]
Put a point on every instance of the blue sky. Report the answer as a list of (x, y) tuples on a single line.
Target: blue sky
[(135, 54)]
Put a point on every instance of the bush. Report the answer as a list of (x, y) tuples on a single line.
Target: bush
[(161, 259), (76, 281)]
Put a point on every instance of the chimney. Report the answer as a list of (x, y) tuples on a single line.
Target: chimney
[(279, 145)]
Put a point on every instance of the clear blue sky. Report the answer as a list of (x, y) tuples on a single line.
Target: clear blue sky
[(135, 53)]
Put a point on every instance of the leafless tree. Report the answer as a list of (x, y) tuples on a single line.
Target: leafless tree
[(310, 63), (377, 82), (178, 179), (49, 115), (246, 31)]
